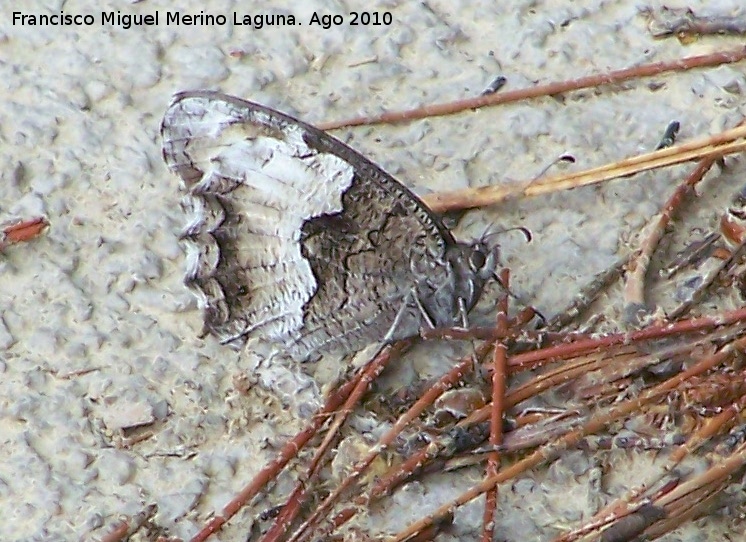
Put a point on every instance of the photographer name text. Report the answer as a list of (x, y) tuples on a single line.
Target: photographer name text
[(178, 18)]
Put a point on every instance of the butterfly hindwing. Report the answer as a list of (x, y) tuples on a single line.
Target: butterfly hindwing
[(297, 237)]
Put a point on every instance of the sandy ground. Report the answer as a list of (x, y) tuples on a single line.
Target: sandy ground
[(97, 332)]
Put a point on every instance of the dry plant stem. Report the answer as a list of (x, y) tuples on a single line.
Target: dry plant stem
[(22, 231), (446, 382), (550, 89), (129, 526), (289, 451), (543, 431), (708, 279), (717, 146), (628, 528), (695, 496), (587, 296), (615, 363), (689, 24), (689, 494), (566, 373), (698, 503), (422, 457), (549, 453), (293, 505), (499, 377), (395, 477), (481, 333), (712, 427), (634, 291), (625, 504), (537, 358), (119, 532)]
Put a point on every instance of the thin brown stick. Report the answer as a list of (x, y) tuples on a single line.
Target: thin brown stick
[(684, 22), (622, 356), (536, 358), (587, 295), (695, 504), (716, 146), (712, 427), (708, 279), (572, 370), (499, 378), (550, 452), (717, 472), (693, 497), (288, 452), (550, 89), (24, 230), (624, 504), (616, 362), (443, 384), (293, 505), (128, 526), (634, 291), (396, 476), (118, 532), (423, 457)]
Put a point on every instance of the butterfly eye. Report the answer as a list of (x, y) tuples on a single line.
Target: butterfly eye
[(477, 259)]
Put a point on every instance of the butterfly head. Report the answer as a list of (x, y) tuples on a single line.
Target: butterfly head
[(472, 266)]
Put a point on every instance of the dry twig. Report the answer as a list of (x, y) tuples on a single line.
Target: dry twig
[(552, 451), (499, 379), (634, 293), (22, 231), (550, 89), (716, 146)]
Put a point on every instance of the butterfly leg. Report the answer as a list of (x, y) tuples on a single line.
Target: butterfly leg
[(388, 338), (463, 312), (390, 334), (425, 316)]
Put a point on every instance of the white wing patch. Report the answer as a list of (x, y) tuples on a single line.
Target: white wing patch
[(273, 182)]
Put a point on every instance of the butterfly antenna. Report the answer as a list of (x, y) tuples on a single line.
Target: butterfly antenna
[(489, 233)]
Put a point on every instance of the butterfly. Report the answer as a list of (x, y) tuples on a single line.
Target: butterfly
[(300, 240)]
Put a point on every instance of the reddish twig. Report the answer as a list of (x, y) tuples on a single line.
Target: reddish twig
[(292, 507), (22, 231), (443, 384), (683, 22), (625, 504), (536, 358), (128, 526), (587, 295), (550, 89), (707, 281), (634, 292), (693, 497), (617, 362), (622, 358), (288, 452), (499, 376), (552, 451)]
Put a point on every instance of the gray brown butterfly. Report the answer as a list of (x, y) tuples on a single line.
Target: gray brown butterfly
[(302, 241)]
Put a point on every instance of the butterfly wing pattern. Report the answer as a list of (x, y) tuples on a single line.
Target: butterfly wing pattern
[(301, 240)]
